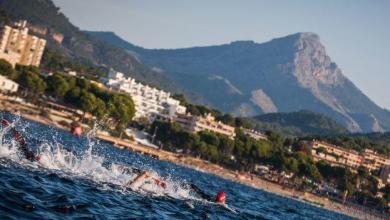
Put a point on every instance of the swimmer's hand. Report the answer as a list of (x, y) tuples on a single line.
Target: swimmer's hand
[(145, 175)]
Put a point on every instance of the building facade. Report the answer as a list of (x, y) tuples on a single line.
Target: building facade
[(7, 85), (148, 101), (194, 124), (19, 47), (336, 155)]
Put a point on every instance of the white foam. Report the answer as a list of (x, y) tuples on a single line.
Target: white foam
[(55, 158)]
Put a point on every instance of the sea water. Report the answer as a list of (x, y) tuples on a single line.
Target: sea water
[(79, 178)]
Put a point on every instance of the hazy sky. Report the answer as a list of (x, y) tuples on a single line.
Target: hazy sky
[(355, 33)]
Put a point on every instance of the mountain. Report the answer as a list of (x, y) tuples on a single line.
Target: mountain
[(302, 123), (246, 78), (80, 46)]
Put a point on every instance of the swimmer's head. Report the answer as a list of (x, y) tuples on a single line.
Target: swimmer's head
[(221, 197)]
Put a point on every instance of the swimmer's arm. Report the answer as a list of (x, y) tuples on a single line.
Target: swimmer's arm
[(145, 175), (235, 211), (139, 178), (200, 192), (23, 147)]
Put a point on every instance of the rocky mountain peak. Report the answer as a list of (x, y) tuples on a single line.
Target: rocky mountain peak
[(312, 65)]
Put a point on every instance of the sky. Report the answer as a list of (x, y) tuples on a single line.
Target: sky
[(355, 33)]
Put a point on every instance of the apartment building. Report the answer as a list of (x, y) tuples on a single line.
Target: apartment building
[(148, 101), (19, 47), (7, 85), (193, 123), (336, 155), (374, 161)]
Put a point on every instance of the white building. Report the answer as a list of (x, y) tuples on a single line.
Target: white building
[(7, 85), (148, 101)]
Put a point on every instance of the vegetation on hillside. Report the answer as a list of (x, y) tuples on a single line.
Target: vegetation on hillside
[(53, 61), (5, 18), (375, 141), (300, 123)]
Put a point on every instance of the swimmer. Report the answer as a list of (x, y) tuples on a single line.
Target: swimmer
[(220, 197), (23, 147)]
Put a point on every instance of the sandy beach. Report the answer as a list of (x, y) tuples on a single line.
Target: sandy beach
[(56, 119)]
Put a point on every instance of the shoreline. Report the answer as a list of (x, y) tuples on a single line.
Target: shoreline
[(56, 118)]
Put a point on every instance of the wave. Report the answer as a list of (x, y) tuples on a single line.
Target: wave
[(55, 158)]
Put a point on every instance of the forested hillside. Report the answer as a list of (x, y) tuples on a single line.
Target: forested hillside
[(300, 123)]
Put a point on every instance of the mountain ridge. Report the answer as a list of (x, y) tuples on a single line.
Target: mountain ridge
[(267, 76)]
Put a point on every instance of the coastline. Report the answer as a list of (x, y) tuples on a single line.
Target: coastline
[(56, 118)]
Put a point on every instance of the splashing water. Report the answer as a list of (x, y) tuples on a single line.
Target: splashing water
[(54, 157)]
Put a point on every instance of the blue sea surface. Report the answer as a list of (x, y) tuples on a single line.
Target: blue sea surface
[(77, 179)]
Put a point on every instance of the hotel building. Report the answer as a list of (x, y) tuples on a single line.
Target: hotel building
[(18, 47), (152, 103), (148, 101), (193, 123)]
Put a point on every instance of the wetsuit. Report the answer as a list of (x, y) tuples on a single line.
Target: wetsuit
[(23, 147), (198, 191)]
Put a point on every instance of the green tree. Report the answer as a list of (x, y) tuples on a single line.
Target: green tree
[(227, 119), (122, 109), (83, 83), (276, 138), (100, 108), (182, 99), (34, 85), (307, 167), (72, 96), (226, 146), (209, 138), (386, 192), (243, 122), (87, 101), (6, 68), (291, 165), (363, 172), (57, 86)]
